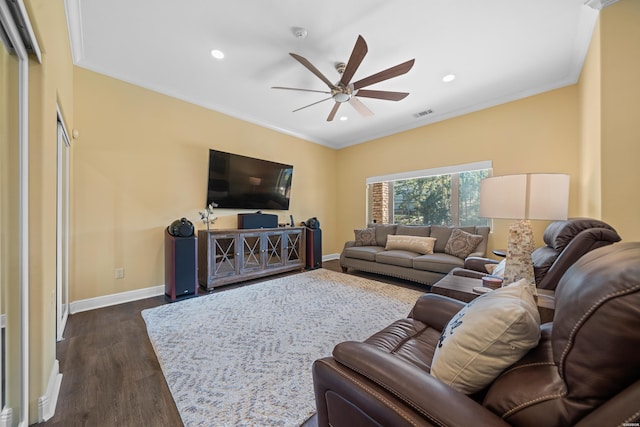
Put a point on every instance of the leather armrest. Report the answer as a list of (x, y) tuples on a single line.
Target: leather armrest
[(347, 244), (435, 310), (437, 402), (463, 272), (478, 263)]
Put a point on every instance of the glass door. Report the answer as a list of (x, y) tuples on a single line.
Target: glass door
[(62, 230)]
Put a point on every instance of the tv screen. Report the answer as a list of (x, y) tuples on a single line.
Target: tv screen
[(240, 182)]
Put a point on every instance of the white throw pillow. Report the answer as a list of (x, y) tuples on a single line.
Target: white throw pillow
[(498, 270), (421, 245), (487, 336)]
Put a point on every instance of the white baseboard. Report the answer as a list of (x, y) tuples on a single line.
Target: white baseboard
[(330, 257), (6, 417), (128, 296), (47, 403), (113, 299)]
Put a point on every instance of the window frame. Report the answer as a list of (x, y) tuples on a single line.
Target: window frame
[(423, 173)]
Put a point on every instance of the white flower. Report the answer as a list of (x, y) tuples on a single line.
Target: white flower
[(207, 216)]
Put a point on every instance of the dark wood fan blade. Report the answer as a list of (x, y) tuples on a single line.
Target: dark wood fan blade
[(333, 112), (359, 51), (313, 69), (360, 107), (389, 73), (317, 102), (302, 90), (382, 94)]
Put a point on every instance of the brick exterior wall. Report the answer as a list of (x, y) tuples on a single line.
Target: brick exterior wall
[(380, 205)]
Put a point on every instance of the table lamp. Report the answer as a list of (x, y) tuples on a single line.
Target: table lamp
[(525, 197)]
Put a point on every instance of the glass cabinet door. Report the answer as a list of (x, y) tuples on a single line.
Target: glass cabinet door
[(223, 255), (293, 249), (251, 253), (273, 249)]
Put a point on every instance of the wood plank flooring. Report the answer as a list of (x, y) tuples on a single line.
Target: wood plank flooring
[(111, 376)]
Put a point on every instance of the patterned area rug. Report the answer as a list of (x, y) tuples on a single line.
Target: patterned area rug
[(243, 356)]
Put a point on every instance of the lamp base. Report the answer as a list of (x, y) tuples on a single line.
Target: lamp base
[(519, 264)]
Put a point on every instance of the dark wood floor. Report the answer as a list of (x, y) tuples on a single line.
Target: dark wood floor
[(111, 376)]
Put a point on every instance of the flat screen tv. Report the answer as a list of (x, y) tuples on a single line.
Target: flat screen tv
[(240, 182)]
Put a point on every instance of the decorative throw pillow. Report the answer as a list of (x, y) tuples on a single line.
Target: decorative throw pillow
[(487, 336), (421, 245), (461, 243), (365, 236)]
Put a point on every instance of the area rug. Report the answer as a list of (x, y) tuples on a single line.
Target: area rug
[(242, 357)]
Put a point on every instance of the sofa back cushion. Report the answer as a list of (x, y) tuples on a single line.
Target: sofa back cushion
[(559, 233), (439, 232), (382, 231), (414, 230)]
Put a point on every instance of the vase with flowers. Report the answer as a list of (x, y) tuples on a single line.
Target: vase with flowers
[(207, 216)]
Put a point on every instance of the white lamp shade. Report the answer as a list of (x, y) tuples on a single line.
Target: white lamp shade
[(525, 196)]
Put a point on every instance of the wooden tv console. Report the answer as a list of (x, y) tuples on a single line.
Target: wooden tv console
[(230, 256)]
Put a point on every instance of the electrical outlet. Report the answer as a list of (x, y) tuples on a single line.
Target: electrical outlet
[(119, 274)]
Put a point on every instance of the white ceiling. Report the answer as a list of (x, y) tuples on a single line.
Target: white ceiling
[(499, 50)]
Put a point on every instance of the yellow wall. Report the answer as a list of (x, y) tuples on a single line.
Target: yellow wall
[(536, 134), (590, 93), (141, 162), (620, 67), (50, 84)]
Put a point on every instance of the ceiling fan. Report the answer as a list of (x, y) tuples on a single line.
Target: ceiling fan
[(345, 91)]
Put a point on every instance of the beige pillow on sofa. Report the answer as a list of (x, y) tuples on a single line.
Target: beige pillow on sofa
[(421, 245), (487, 336)]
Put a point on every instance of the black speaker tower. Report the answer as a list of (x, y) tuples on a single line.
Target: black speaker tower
[(314, 248), (180, 267)]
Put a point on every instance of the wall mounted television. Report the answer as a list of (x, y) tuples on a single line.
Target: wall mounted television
[(241, 182)]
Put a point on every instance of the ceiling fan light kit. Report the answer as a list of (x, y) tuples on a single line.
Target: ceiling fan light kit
[(345, 91)]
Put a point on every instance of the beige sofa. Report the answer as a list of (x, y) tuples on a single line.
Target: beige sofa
[(427, 268)]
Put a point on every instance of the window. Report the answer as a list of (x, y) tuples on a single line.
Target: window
[(442, 196)]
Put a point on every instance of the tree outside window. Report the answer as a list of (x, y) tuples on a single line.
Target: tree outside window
[(447, 199)]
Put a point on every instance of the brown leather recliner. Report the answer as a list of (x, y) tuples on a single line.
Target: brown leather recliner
[(565, 242), (585, 370)]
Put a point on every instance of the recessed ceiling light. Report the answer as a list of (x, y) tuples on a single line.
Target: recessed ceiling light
[(344, 118), (218, 54), (449, 78)]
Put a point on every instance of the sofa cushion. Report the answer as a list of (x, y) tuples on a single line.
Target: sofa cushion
[(382, 231), (461, 243), (365, 236), (396, 257), (487, 336), (421, 245), (437, 262), (414, 230), (367, 253)]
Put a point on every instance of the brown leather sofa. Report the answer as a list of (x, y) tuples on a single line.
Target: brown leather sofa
[(565, 242), (585, 370)]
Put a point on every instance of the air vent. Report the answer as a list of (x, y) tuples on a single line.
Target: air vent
[(423, 113)]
